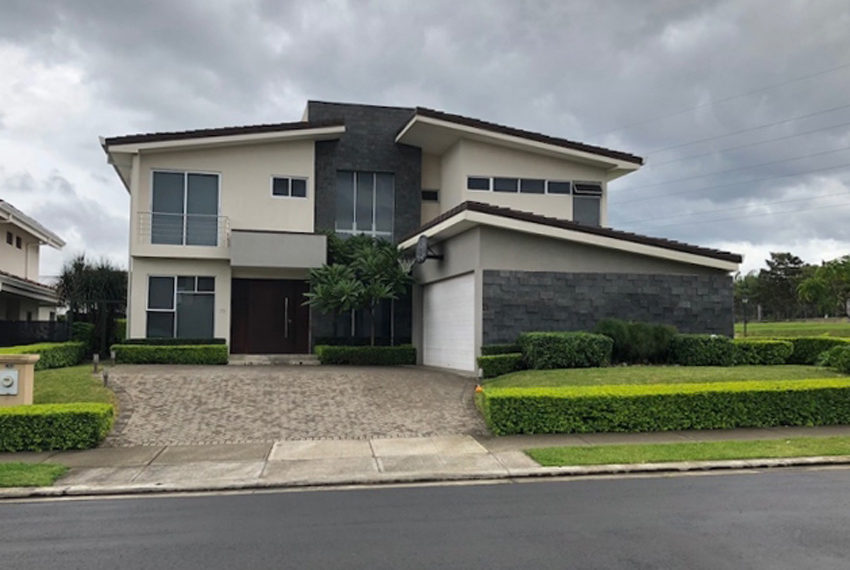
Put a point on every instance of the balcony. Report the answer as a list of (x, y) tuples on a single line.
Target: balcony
[(183, 229)]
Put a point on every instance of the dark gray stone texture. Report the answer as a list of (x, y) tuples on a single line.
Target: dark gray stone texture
[(520, 301), (368, 145)]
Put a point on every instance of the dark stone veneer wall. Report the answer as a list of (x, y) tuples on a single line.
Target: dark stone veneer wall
[(519, 301), (367, 145)]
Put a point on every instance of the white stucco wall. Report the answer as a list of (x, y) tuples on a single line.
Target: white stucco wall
[(21, 262)]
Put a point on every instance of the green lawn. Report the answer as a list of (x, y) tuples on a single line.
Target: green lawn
[(828, 327), (657, 375), (71, 384), (30, 475), (702, 451)]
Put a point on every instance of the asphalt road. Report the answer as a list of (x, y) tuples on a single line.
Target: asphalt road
[(776, 519)]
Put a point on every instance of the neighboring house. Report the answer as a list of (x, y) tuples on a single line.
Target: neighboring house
[(22, 297), (226, 223)]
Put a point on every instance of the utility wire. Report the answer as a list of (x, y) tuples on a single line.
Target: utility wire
[(747, 167), (725, 99), (738, 183), (719, 210), (782, 138), (749, 129)]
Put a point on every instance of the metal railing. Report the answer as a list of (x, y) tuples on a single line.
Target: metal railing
[(184, 229)]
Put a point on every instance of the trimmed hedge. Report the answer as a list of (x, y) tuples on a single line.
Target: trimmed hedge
[(839, 357), (44, 427), (807, 349), (493, 349), (760, 351), (83, 332), (362, 355), (702, 350), (659, 407), (497, 364), (53, 354), (565, 349), (120, 331), (193, 354), (637, 342), (173, 341)]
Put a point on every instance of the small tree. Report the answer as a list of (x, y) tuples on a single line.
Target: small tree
[(361, 272)]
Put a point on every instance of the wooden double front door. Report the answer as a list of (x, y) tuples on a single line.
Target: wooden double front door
[(268, 316)]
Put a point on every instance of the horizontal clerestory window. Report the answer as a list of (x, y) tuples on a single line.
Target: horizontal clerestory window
[(520, 185)]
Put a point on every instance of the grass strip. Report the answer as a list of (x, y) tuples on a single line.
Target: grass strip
[(71, 384), (697, 451), (30, 474)]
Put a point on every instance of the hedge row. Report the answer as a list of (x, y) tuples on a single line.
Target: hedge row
[(716, 350), (498, 364), (173, 341), (838, 357), (44, 427), (636, 342), (764, 352), (807, 349), (565, 349), (376, 355), (193, 354), (53, 354), (493, 349), (636, 408)]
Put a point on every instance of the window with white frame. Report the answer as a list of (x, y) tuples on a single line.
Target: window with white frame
[(587, 203), (365, 203), (521, 185), (180, 306), (184, 208), (289, 187)]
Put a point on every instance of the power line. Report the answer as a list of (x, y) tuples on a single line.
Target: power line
[(747, 167), (753, 215), (749, 129), (750, 144), (725, 99), (718, 210), (738, 183)]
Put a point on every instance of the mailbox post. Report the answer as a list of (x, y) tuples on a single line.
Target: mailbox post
[(17, 375)]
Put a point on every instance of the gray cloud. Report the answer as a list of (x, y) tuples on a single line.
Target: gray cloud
[(581, 70)]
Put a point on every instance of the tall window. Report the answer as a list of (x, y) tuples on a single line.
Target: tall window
[(184, 208), (365, 202), (587, 203), (180, 306)]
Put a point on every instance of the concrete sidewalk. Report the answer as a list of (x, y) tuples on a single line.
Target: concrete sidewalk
[(374, 461)]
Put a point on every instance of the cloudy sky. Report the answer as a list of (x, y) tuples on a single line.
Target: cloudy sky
[(741, 108)]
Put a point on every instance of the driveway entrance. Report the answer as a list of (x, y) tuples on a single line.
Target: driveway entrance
[(191, 405)]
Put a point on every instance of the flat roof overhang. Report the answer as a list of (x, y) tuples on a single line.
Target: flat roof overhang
[(469, 215), (436, 136), (29, 290)]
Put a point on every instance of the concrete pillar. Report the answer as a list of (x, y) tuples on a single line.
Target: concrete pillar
[(20, 392)]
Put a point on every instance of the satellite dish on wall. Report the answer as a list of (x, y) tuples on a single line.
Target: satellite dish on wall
[(423, 252)]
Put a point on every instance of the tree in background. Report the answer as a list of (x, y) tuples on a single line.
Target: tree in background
[(778, 285), (828, 286), (746, 287), (361, 272), (94, 293)]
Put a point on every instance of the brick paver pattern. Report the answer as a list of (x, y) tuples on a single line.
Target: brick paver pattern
[(191, 405)]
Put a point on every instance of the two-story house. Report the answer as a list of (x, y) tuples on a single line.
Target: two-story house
[(226, 223), (22, 296)]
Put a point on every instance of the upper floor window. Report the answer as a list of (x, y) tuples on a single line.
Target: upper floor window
[(9, 238), (521, 185), (287, 186), (365, 203), (587, 203), (184, 208), (18, 242)]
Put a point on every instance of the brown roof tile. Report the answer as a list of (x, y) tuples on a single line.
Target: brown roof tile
[(220, 132), (568, 225)]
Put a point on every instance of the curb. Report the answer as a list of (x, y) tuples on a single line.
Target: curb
[(424, 477)]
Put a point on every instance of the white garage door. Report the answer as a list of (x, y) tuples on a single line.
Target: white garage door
[(448, 323)]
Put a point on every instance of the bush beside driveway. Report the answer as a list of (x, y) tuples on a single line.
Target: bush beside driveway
[(184, 405)]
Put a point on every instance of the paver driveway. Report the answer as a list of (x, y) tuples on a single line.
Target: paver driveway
[(183, 405)]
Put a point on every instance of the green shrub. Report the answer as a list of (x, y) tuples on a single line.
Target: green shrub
[(493, 349), (43, 427), (702, 350), (193, 354), (658, 407), (565, 349), (839, 358), (173, 341), (120, 331), (636, 342), (807, 349), (83, 332), (497, 364), (831, 356), (53, 354), (760, 351), (378, 355)]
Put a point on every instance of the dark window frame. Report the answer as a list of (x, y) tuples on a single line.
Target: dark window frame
[(176, 291)]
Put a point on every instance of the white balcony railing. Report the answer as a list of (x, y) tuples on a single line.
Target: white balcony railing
[(184, 229)]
